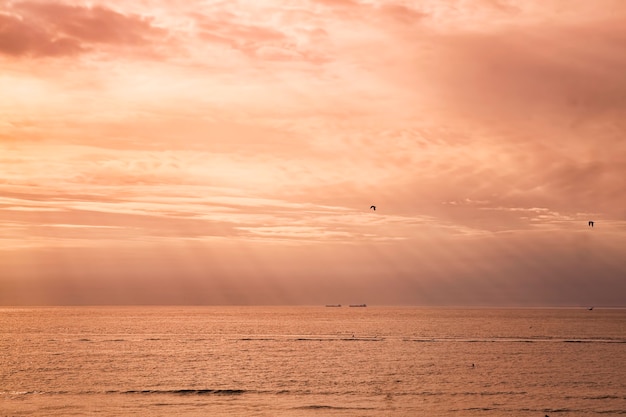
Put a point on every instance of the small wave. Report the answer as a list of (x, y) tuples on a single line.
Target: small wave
[(594, 341), (131, 392), (604, 397), (342, 339), (17, 393), (312, 338), (418, 340), (262, 339), (319, 407), (329, 407), (513, 340), (185, 392), (361, 339), (489, 393), (29, 393)]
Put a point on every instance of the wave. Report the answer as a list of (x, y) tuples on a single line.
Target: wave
[(329, 407), (186, 392), (568, 411), (479, 409), (343, 339), (259, 339), (315, 339), (597, 397), (521, 339), (319, 407), (18, 393), (183, 392), (489, 393), (513, 340)]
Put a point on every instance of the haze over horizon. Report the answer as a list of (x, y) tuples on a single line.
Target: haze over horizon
[(208, 152)]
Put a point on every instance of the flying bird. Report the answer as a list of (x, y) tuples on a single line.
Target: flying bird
[(373, 208), (591, 223)]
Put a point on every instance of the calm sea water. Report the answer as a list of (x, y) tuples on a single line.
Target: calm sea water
[(311, 361)]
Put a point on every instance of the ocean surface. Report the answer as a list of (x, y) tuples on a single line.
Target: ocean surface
[(311, 361)]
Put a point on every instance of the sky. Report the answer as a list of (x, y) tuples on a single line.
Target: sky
[(228, 152)]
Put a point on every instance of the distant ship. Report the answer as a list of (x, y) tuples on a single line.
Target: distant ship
[(358, 305), (333, 305)]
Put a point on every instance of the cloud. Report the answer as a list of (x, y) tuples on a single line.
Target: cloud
[(399, 13), (19, 38), (486, 132), (536, 111), (570, 72), (265, 43), (56, 29)]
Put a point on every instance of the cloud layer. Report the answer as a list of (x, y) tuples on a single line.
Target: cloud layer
[(236, 146)]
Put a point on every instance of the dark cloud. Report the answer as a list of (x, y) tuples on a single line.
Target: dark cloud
[(54, 29), (548, 103), (19, 38), (563, 74)]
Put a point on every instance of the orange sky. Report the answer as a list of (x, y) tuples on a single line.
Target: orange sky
[(227, 152)]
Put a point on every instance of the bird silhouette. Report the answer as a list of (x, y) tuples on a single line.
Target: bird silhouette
[(373, 208), (591, 223)]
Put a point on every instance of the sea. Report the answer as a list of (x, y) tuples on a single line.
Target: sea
[(312, 361)]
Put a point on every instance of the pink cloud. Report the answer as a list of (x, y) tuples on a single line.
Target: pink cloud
[(55, 29), (339, 3), (260, 42), (19, 38), (243, 37), (402, 14), (395, 13)]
